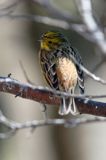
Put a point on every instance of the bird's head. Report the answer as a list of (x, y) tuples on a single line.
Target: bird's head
[(51, 40)]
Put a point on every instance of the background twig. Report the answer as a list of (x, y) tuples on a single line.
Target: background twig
[(15, 126)]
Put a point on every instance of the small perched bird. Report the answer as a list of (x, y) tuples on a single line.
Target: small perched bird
[(59, 69)]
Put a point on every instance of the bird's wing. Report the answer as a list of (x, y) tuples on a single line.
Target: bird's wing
[(49, 70), (77, 57)]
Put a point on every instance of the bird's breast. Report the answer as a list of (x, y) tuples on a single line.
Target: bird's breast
[(66, 73)]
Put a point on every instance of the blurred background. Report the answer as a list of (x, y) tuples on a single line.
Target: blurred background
[(19, 40)]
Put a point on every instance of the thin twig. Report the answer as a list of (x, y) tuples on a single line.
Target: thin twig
[(96, 67), (56, 10), (25, 73)]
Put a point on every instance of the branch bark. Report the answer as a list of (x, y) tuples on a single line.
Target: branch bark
[(48, 96)]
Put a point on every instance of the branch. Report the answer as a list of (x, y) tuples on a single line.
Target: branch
[(62, 20), (48, 96), (63, 24), (69, 123), (53, 8), (89, 30), (86, 12)]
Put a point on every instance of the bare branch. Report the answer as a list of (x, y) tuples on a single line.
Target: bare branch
[(46, 20), (69, 123), (79, 28), (55, 9), (85, 9), (9, 124), (91, 32), (48, 96)]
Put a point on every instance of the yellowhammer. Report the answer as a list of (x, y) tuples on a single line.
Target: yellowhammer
[(59, 70)]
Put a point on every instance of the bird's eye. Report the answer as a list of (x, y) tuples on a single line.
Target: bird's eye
[(49, 42)]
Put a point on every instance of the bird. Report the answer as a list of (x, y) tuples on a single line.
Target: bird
[(57, 59)]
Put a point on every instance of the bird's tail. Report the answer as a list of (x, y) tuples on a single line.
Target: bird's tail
[(63, 107), (72, 108), (68, 106)]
